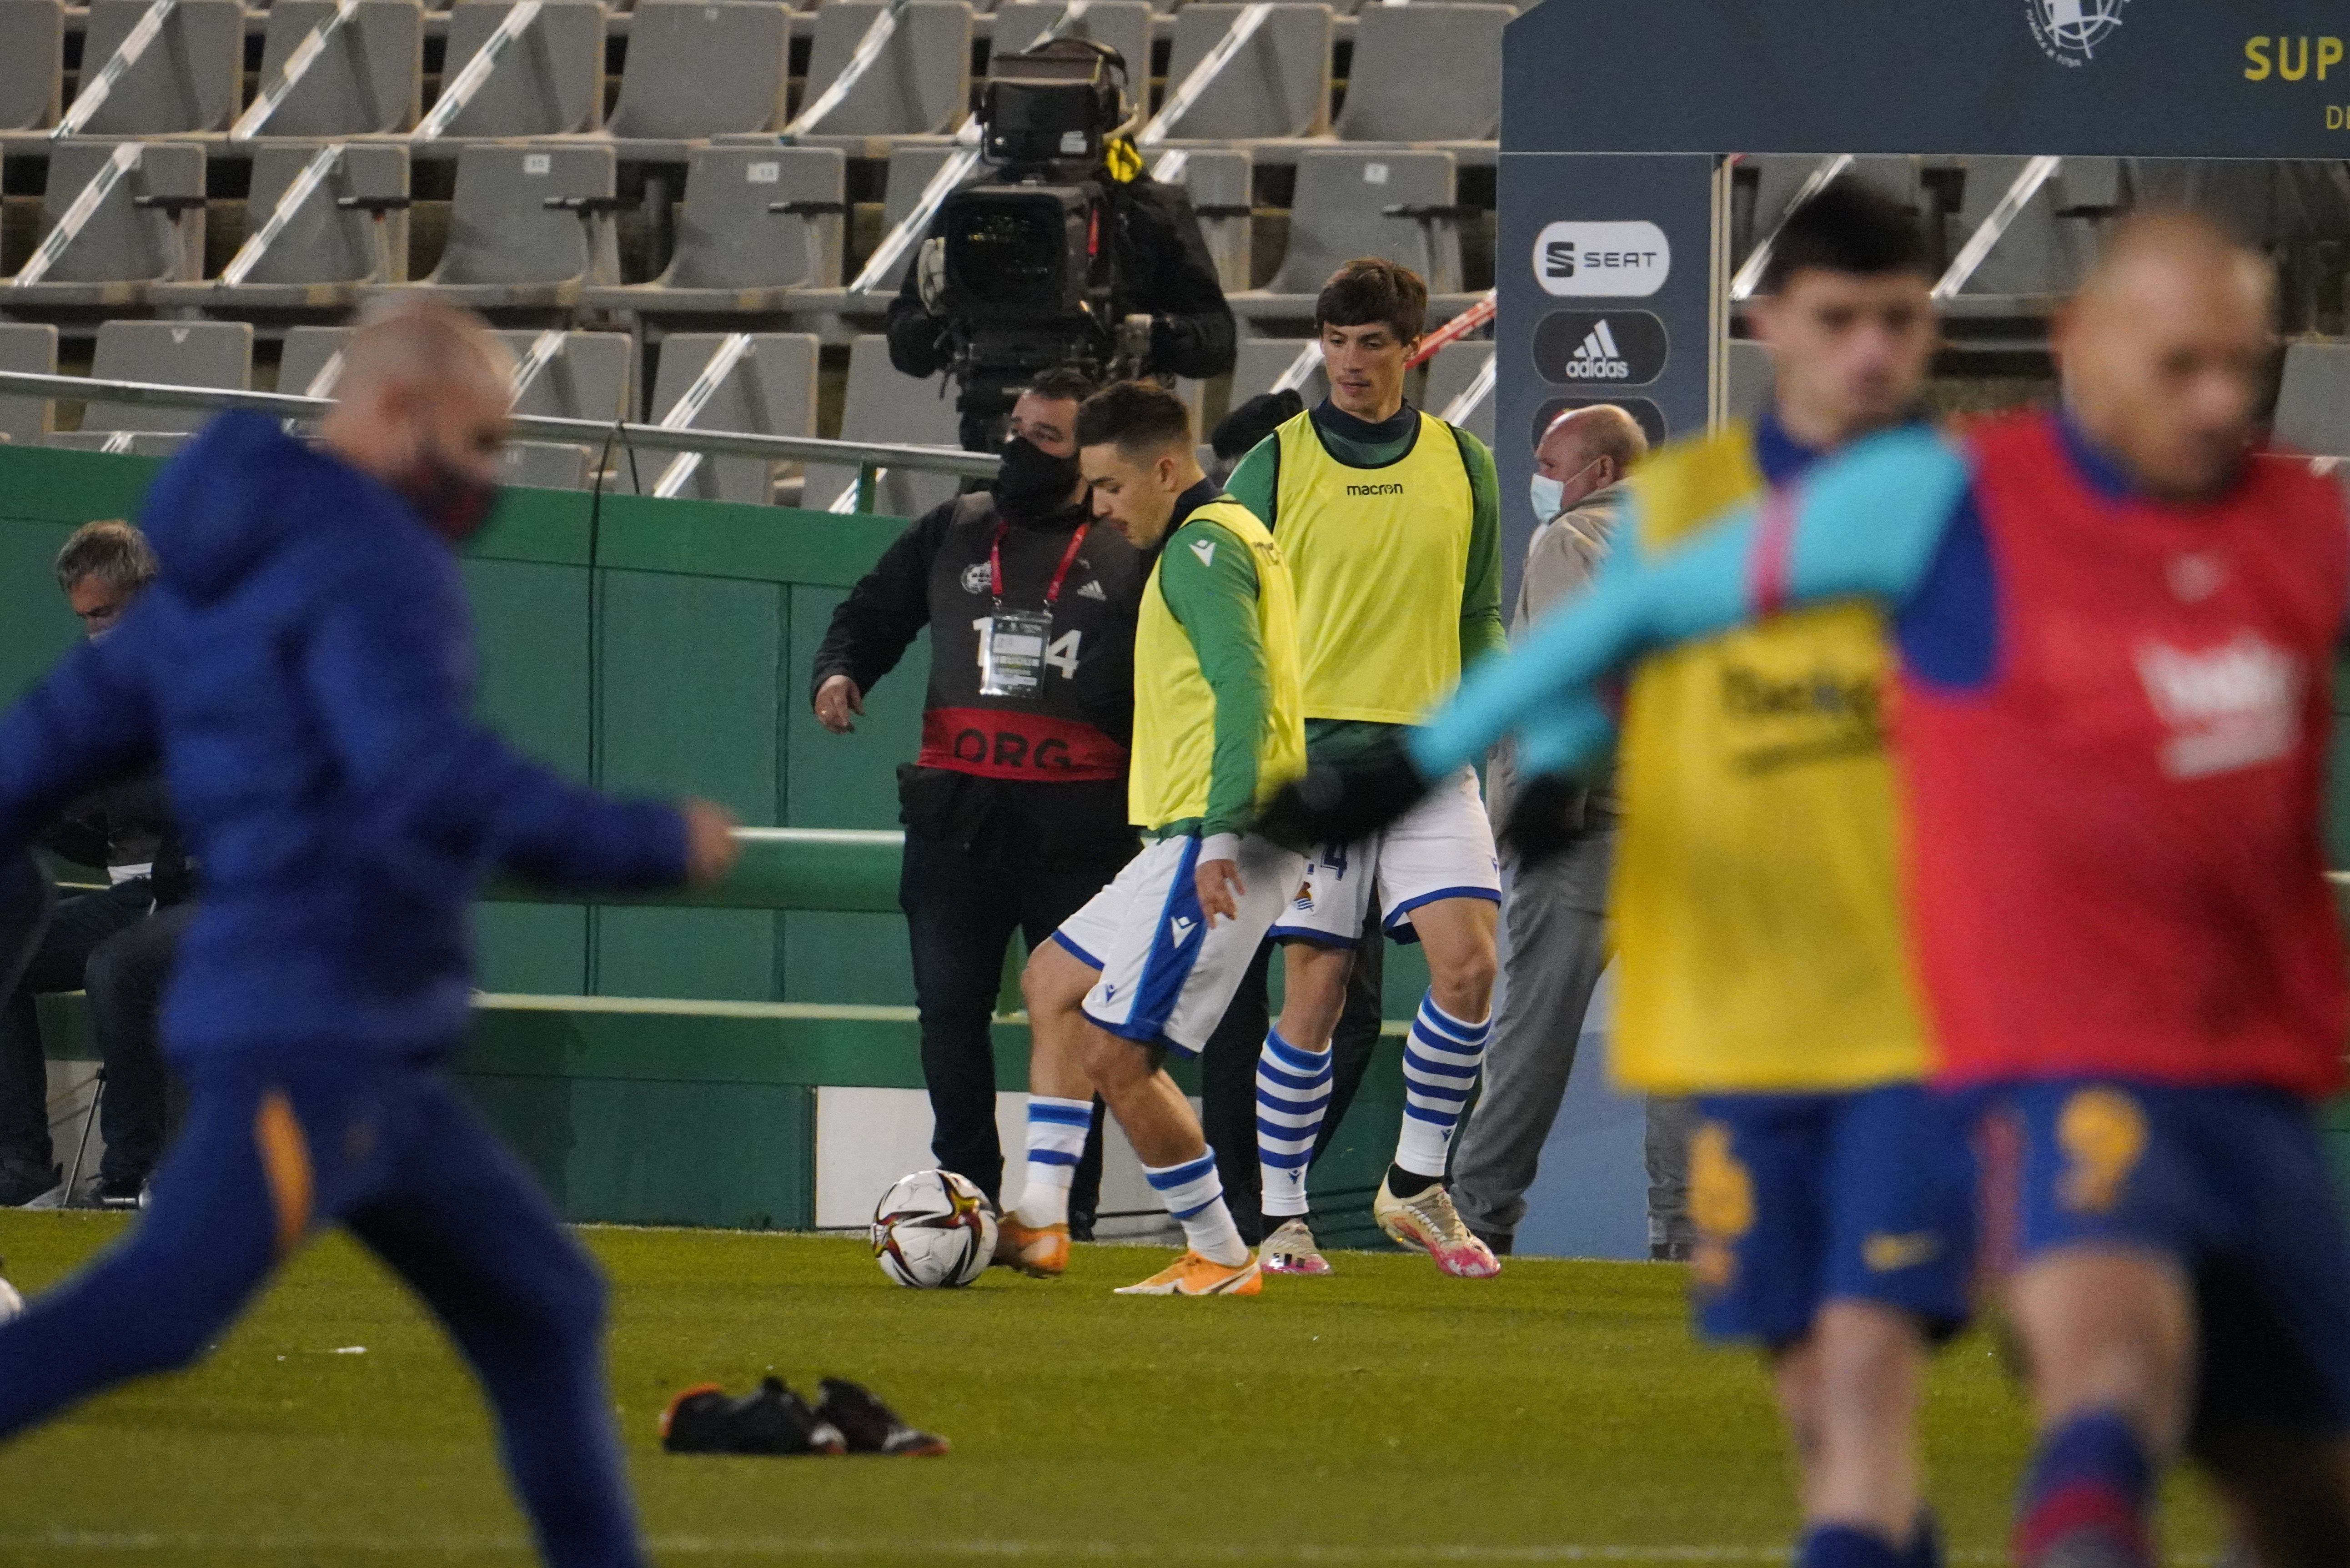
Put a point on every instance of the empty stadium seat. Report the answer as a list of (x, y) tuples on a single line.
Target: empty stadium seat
[(1123, 25), (548, 465), (549, 84), (1451, 371), (2051, 242), (507, 247), (884, 405), (920, 86), (1261, 361), (1219, 182), (2312, 411), (697, 70), (123, 246), (590, 375), (770, 392), (305, 355), (32, 63), (1425, 72), (369, 80), (1341, 211), (732, 253), (174, 353), (1277, 86), (909, 172), (1749, 370), (30, 347), (187, 79), (326, 253)]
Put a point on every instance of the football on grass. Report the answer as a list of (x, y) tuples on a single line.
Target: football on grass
[(933, 1229)]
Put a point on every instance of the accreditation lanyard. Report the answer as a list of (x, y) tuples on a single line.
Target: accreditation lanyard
[(1013, 642)]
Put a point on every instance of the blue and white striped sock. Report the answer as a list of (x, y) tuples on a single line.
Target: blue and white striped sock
[(1292, 1091), (1057, 1141), (1194, 1194), (1439, 1068)]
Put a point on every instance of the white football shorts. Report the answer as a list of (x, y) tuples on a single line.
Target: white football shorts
[(1440, 849), (1166, 975)]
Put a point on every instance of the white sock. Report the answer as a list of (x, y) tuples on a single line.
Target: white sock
[(1057, 1141), (1439, 1069), (1194, 1194), (1293, 1092)]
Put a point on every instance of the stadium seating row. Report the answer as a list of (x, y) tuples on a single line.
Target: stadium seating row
[(770, 389), (1422, 72), (760, 232)]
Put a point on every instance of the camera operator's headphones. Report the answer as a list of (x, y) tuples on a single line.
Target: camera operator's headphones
[(1064, 101)]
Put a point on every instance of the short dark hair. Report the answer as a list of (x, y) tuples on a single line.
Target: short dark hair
[(1073, 382), (1373, 288), (113, 552), (1849, 226), (1238, 432), (1136, 416)]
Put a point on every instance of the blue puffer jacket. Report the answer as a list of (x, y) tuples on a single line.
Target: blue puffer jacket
[(304, 671)]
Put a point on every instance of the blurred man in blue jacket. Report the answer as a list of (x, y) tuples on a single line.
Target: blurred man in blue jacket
[(303, 672)]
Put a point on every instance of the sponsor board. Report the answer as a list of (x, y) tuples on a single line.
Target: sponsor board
[(1620, 260), (1589, 347)]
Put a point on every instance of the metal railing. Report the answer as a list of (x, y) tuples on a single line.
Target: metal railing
[(867, 456)]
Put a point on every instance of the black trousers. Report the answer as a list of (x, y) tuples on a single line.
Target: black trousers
[(79, 927), (962, 907), (125, 977), (1228, 1070)]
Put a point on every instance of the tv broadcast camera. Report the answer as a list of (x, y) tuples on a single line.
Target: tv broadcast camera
[(1020, 269)]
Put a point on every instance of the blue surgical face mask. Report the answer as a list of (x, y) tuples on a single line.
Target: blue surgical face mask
[(1548, 495)]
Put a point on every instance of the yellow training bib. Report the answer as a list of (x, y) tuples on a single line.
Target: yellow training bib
[(1756, 902), (1174, 749), (1380, 556)]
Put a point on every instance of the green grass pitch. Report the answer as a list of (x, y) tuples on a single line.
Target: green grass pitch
[(1559, 1413)]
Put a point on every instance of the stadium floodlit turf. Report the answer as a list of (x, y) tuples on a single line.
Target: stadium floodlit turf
[(1385, 1416)]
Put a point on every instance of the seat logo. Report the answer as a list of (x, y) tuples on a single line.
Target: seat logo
[(2069, 31), (1623, 260)]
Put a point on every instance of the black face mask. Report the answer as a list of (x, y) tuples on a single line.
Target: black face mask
[(452, 504), (1032, 481)]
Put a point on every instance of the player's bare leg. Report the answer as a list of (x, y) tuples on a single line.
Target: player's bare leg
[(1293, 1092), (1848, 1392), (1441, 1064), (2109, 1335)]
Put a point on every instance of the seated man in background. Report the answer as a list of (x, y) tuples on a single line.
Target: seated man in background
[(126, 830)]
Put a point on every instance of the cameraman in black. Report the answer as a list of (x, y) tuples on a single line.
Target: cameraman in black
[(1015, 808), (1151, 304)]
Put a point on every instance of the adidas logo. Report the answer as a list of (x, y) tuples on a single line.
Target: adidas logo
[(1598, 358), (1092, 590)]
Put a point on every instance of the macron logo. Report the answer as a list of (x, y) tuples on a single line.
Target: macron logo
[(1375, 490), (1598, 358), (1183, 929), (1206, 550)]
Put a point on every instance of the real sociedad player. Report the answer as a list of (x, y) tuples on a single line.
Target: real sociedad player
[(2116, 624)]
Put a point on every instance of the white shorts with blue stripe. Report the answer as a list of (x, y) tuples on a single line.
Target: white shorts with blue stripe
[(1166, 976), (1440, 849)]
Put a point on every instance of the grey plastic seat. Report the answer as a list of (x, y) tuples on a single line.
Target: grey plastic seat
[(772, 390), (1261, 361), (507, 247), (326, 254), (1425, 72), (920, 86), (32, 63), (732, 255), (2312, 411), (370, 78), (1220, 182), (2051, 241), (174, 353), (884, 405), (909, 172), (123, 246), (1751, 379), (1277, 86), (697, 70), (187, 79), (550, 83), (1123, 25), (1451, 371), (30, 347), (548, 465), (306, 353), (591, 376), (1340, 212)]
